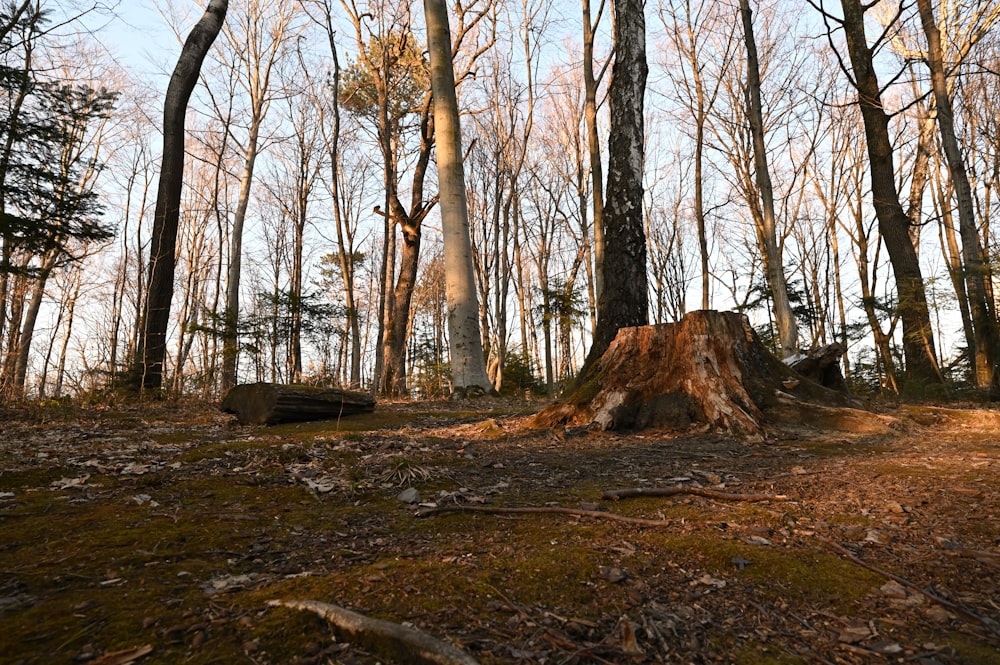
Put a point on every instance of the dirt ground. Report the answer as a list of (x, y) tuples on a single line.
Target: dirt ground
[(157, 533)]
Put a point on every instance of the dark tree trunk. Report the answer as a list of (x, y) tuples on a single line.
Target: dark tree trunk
[(147, 366), (624, 299), (918, 337)]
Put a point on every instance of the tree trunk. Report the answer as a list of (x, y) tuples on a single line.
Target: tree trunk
[(624, 299), (28, 327), (231, 316), (147, 367), (468, 367), (983, 321), (952, 255), (590, 84), (788, 332), (67, 334), (918, 337)]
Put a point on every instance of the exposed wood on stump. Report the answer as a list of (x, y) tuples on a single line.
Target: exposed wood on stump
[(822, 365), (272, 403), (404, 644), (708, 368)]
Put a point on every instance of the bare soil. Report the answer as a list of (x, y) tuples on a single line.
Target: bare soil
[(157, 533)]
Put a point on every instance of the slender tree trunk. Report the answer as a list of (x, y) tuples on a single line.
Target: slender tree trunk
[(788, 331), (67, 335), (231, 316), (984, 324), (151, 346), (953, 259), (28, 326), (594, 142), (918, 338)]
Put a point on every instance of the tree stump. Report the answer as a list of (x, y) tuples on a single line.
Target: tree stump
[(822, 365), (708, 368), (273, 403)]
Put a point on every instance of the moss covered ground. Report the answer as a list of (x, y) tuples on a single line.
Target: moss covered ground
[(158, 533)]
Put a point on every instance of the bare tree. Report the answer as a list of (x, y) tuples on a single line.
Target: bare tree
[(147, 367), (689, 30), (918, 337), (591, 82), (255, 44), (787, 327), (983, 316)]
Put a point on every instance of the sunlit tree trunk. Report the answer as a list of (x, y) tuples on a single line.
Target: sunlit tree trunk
[(788, 332), (984, 323), (918, 338), (257, 46), (591, 83)]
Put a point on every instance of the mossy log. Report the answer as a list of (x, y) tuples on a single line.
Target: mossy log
[(273, 403), (709, 368)]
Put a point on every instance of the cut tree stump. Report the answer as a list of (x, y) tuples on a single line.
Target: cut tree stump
[(709, 368), (273, 403)]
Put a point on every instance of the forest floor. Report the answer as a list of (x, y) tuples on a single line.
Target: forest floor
[(157, 533)]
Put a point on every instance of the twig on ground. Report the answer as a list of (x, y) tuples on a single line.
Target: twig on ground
[(534, 510), (615, 495), (962, 610), (409, 645)]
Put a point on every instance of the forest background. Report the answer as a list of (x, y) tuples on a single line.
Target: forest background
[(294, 157)]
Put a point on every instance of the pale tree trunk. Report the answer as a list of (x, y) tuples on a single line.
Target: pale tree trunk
[(67, 333), (983, 321), (952, 254), (30, 319), (918, 337), (691, 30), (345, 234), (468, 368), (591, 83), (263, 32), (151, 347), (624, 300), (788, 331)]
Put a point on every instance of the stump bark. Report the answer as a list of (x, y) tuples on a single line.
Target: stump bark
[(708, 368), (273, 403)]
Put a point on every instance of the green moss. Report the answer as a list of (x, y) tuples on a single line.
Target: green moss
[(764, 654), (817, 578), (970, 651)]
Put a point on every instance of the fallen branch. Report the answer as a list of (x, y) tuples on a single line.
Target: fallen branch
[(615, 495), (962, 610), (534, 510), (406, 644)]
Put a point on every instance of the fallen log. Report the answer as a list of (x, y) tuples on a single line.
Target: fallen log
[(405, 644), (273, 403)]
